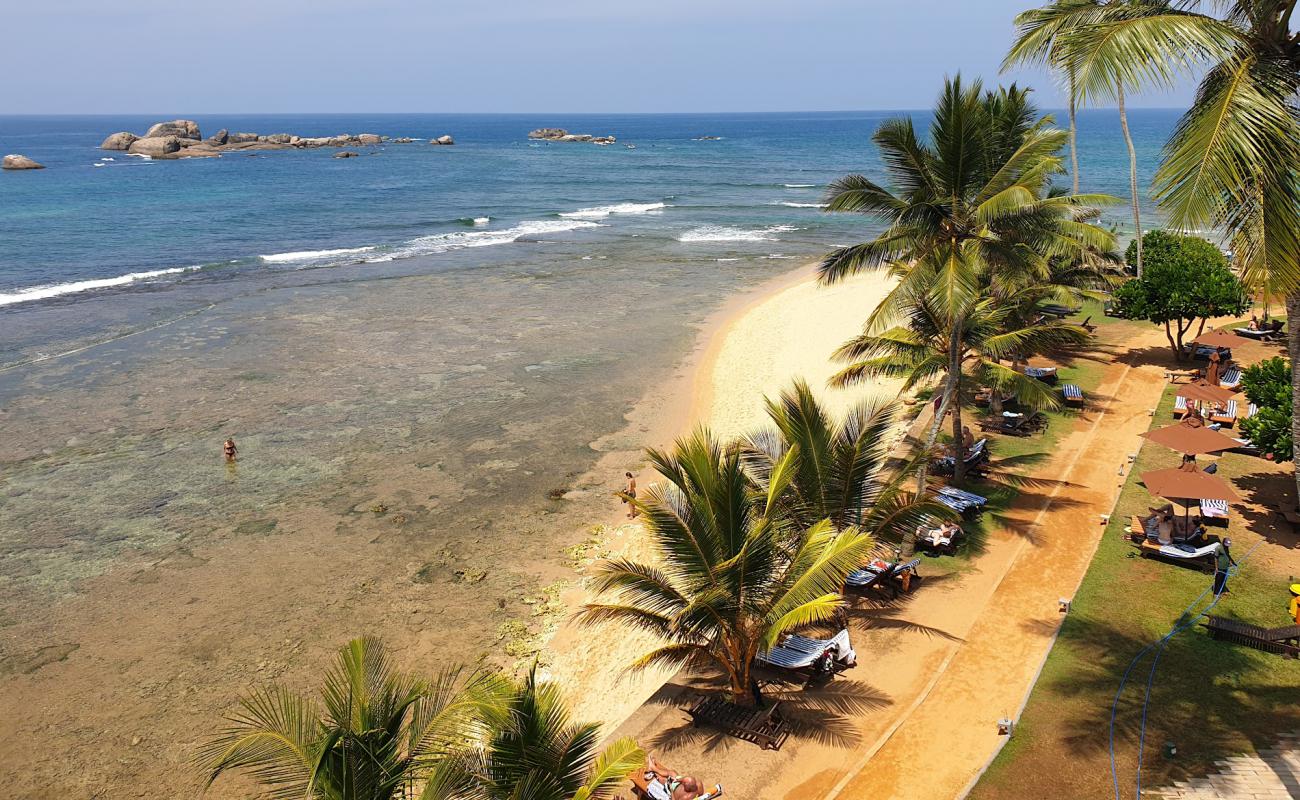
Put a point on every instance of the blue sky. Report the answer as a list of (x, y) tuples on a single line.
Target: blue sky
[(78, 56)]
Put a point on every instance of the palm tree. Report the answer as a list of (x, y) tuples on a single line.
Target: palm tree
[(1231, 161), (811, 468), (732, 576), (965, 346), (971, 211), (534, 752), (373, 731), (1043, 36)]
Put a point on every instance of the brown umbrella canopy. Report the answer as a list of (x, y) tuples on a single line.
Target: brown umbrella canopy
[(1216, 339), (1177, 484), (1204, 392), (1191, 439)]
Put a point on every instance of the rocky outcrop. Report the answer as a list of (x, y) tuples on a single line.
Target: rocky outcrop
[(346, 154), (15, 161), (402, 140), (369, 139), (442, 140), (219, 138), (155, 146), (119, 141), (180, 128), (561, 135), (241, 138), (276, 138)]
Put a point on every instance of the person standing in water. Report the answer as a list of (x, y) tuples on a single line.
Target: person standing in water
[(629, 492), (230, 450)]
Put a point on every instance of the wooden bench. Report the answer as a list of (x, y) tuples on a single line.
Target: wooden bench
[(761, 725), (1283, 641)]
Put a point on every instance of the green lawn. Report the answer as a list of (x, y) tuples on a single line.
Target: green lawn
[(1209, 698)]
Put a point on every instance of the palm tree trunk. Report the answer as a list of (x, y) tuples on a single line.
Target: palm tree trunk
[(1293, 339), (958, 446), (922, 472), (1132, 174), (1074, 141)]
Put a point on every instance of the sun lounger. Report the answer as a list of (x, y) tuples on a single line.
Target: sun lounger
[(1176, 375), (1214, 509), (974, 461), (1180, 407), (1231, 378), (762, 725), (1073, 395), (936, 540), (1270, 331), (1227, 416), (1251, 410), (1200, 557), (1283, 641), (1056, 310), (1015, 424), (894, 578), (816, 656), (960, 501), (1044, 374), (1201, 352)]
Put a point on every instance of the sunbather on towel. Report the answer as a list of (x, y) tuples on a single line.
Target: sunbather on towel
[(1165, 529), (663, 783)]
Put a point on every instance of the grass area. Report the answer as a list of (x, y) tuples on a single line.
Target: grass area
[(1211, 699)]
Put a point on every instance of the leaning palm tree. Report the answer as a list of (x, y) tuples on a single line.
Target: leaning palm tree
[(534, 752), (838, 471), (962, 347), (1043, 37), (373, 730), (732, 577), (1231, 161)]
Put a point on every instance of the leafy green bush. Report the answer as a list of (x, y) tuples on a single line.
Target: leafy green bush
[(1184, 279), (1268, 385)]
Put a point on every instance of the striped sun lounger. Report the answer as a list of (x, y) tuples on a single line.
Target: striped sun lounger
[(1073, 394), (1214, 509), (1228, 416), (800, 652), (1252, 411), (1231, 378), (1180, 407), (1044, 374), (959, 500)]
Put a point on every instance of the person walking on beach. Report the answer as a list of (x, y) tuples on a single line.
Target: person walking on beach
[(1222, 561), (629, 494), (230, 450)]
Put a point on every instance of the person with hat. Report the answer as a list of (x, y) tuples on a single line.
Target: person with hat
[(1222, 561), (1294, 608)]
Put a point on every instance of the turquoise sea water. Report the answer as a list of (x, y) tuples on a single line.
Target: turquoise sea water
[(107, 218)]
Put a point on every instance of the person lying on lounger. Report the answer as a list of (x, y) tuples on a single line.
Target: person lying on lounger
[(663, 783), (943, 535)]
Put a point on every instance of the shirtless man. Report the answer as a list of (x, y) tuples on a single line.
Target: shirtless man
[(663, 783), (630, 491), (230, 450)]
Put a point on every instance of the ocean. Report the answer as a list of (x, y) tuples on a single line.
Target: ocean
[(434, 360)]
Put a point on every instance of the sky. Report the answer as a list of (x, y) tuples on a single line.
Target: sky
[(255, 56)]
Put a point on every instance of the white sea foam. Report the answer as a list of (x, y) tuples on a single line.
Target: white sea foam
[(106, 158), (482, 220), (141, 156), (313, 255), (442, 242), (56, 289), (799, 185), (600, 212), (803, 205), (721, 233)]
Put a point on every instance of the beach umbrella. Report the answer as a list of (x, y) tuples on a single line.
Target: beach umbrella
[(1188, 486), (1204, 392), (1220, 339), (1191, 439)]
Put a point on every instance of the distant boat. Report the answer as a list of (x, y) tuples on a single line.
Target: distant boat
[(630, 146)]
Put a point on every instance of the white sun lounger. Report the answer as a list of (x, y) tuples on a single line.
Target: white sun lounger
[(1214, 509), (1177, 551), (800, 652), (1231, 378)]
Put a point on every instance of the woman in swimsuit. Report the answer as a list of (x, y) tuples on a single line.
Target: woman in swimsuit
[(630, 491), (230, 450)]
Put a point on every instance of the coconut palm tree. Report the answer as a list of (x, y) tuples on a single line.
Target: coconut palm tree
[(732, 576), (1231, 161), (534, 752), (1042, 37), (372, 731), (831, 470), (964, 345)]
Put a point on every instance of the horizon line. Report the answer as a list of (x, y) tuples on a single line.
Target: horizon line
[(1044, 109)]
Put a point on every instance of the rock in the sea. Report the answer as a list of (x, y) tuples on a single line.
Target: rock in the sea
[(241, 138), (403, 140), (548, 133), (180, 128), (346, 154), (442, 140), (155, 146), (603, 140), (577, 137), (368, 139), (198, 150), (119, 141), (219, 138), (277, 138), (15, 161)]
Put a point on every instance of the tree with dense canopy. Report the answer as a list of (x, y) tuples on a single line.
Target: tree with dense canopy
[(1187, 279), (1268, 386)]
